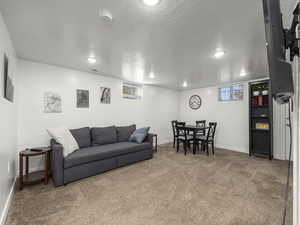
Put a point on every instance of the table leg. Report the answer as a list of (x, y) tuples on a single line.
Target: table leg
[(194, 141), (27, 166), (156, 143), (21, 172), (46, 167)]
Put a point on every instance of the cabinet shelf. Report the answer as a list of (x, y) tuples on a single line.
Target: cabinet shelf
[(261, 130), (259, 106), (254, 96), (260, 117)]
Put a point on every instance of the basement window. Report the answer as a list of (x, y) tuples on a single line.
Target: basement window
[(132, 91), (234, 92), (237, 92), (225, 94)]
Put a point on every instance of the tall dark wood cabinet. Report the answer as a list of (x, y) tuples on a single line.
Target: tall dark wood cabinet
[(260, 119)]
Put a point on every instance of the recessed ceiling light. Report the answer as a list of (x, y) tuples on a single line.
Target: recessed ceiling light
[(151, 2), (151, 75), (91, 60), (243, 74), (219, 54), (184, 84)]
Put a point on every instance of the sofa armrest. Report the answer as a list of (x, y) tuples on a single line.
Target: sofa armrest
[(149, 138), (57, 163)]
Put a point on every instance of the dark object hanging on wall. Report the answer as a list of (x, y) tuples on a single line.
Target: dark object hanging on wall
[(83, 98), (260, 119), (8, 84), (195, 102)]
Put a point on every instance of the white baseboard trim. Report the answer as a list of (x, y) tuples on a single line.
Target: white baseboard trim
[(232, 148), (164, 142), (8, 203)]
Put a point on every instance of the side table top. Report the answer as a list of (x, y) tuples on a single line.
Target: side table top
[(30, 152)]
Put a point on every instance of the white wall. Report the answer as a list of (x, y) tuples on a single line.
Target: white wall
[(281, 133), (8, 130), (232, 117), (156, 109)]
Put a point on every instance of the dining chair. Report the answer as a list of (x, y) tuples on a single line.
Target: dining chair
[(183, 136), (202, 124), (173, 122), (208, 139)]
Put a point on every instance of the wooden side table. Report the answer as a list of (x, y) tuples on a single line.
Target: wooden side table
[(155, 148), (38, 176)]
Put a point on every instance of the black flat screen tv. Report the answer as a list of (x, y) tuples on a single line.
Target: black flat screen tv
[(280, 70)]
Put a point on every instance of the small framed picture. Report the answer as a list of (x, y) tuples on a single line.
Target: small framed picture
[(105, 95), (83, 98)]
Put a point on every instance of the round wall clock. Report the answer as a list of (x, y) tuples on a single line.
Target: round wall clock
[(195, 102)]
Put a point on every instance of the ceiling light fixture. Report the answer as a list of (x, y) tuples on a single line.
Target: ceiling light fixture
[(91, 60), (184, 84), (151, 2), (219, 54), (243, 74), (151, 75)]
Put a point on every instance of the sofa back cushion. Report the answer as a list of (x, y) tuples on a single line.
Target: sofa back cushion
[(124, 133), (82, 136), (104, 135)]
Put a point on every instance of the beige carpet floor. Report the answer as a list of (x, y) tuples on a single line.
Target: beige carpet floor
[(226, 189)]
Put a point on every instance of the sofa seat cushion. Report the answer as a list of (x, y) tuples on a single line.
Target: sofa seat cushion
[(95, 153)]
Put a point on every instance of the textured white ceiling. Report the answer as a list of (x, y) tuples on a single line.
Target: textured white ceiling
[(175, 40)]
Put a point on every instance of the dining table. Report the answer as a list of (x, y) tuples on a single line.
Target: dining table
[(194, 129)]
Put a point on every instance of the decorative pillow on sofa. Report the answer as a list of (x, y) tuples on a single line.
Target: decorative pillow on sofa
[(124, 133), (63, 136), (82, 136), (104, 135), (139, 135)]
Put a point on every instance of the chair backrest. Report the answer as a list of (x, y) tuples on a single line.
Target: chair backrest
[(211, 130), (180, 129), (173, 122), (201, 123), (181, 124)]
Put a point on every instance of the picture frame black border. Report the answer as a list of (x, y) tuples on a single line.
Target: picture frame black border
[(5, 75), (6, 79), (77, 95)]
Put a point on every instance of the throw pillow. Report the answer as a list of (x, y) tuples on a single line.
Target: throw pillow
[(139, 135), (82, 136), (63, 136), (124, 133)]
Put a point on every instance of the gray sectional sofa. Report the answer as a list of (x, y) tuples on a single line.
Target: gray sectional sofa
[(101, 149)]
